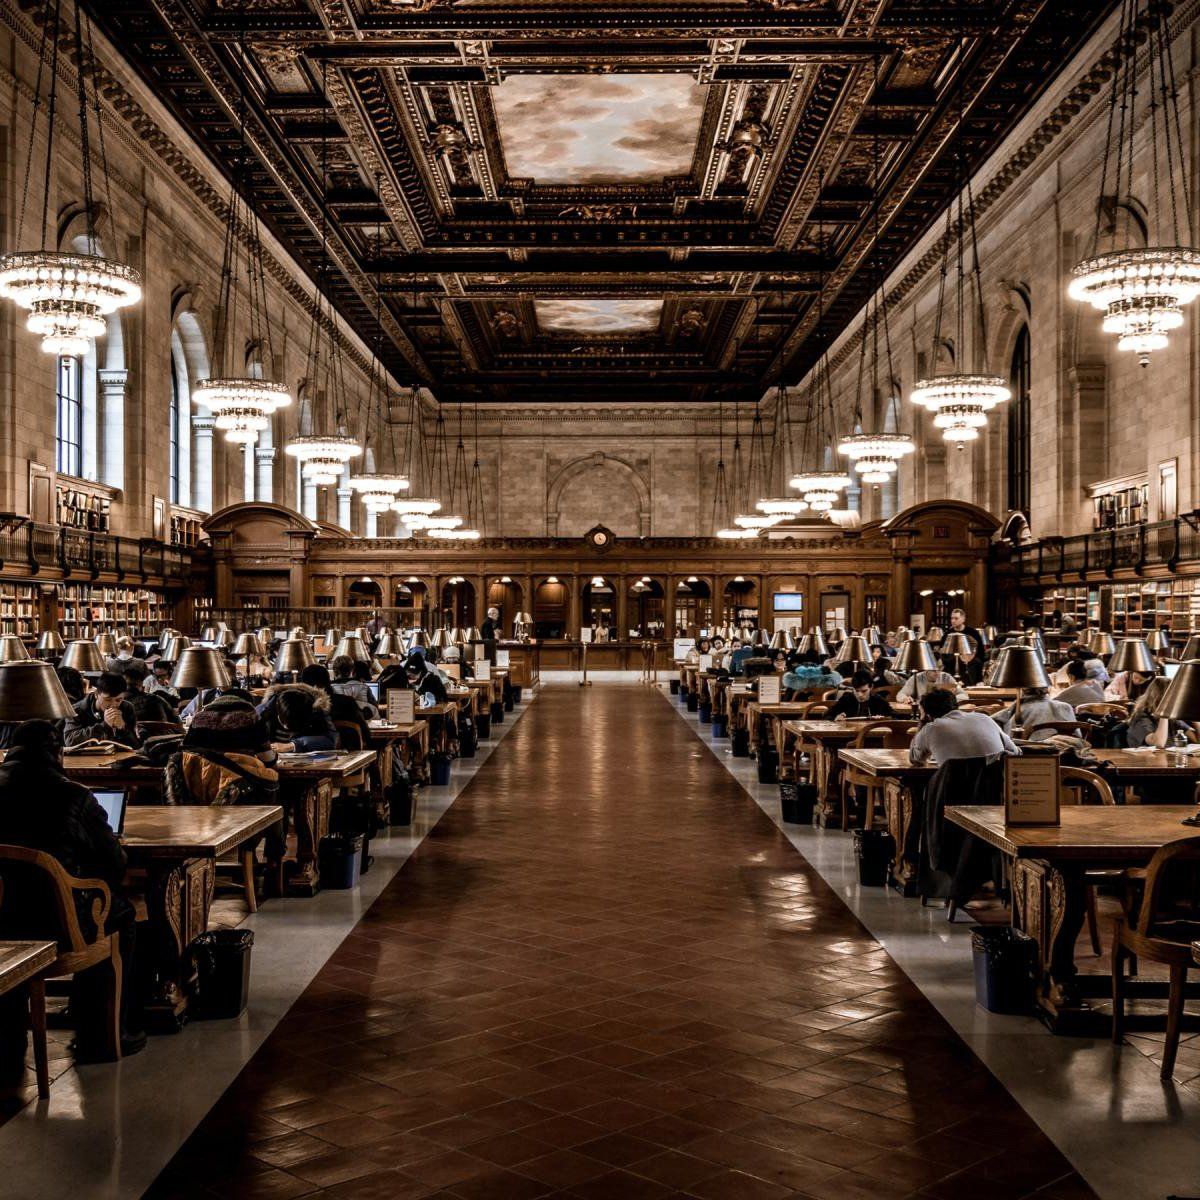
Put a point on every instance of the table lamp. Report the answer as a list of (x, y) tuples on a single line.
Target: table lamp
[(166, 636), (224, 638), (1158, 641), (30, 691), (209, 633), (814, 642), (837, 634), (914, 655), (873, 635), (782, 640), (331, 639), (49, 643), (389, 646), (293, 656), (12, 649), (175, 647), (1019, 667), (854, 649), (1101, 644), (106, 644), (351, 646), (1132, 654), (959, 645), (987, 635), (418, 638), (200, 667), (84, 656)]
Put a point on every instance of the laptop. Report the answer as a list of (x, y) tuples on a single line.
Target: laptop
[(113, 804), (373, 688)]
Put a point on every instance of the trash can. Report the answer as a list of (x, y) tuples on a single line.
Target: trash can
[(222, 958), (439, 770), (705, 714), (674, 687), (693, 701), (497, 713), (1005, 961), (768, 764), (739, 743), (720, 727), (797, 801), (483, 725), (340, 860), (400, 796), (467, 738), (874, 849), (515, 693)]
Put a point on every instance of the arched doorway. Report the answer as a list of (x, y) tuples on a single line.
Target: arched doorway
[(458, 603), (550, 600), (598, 610), (693, 606), (411, 597), (740, 603), (509, 597), (364, 593), (645, 608)]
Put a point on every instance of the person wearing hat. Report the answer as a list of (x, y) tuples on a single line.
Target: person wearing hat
[(147, 706), (103, 715), (425, 681)]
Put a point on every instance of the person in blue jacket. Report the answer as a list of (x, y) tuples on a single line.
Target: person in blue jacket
[(297, 718)]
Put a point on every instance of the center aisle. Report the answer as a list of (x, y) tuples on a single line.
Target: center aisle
[(606, 974)]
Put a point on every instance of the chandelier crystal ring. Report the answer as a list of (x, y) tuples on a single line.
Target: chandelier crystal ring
[(876, 455), (378, 492), (242, 408), (322, 458)]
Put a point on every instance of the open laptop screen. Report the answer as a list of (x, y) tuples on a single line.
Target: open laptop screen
[(113, 804)]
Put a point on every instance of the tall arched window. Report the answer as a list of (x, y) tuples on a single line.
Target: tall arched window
[(68, 442), (173, 431), (1018, 426)]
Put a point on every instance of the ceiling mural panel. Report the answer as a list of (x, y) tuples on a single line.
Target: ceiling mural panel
[(554, 196)]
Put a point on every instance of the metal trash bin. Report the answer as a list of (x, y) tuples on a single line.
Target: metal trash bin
[(222, 958), (874, 849), (1005, 961)]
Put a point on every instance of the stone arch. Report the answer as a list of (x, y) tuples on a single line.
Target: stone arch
[(191, 363), (614, 480)]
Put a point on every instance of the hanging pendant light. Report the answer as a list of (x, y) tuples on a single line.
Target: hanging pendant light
[(1142, 290), (67, 294), (323, 457)]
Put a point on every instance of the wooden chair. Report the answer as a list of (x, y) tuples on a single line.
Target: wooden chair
[(1069, 728), (884, 734), (36, 882), (1105, 709), (1090, 788), (1157, 936), (816, 708)]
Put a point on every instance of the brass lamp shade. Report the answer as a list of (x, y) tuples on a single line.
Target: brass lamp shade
[(224, 638), (175, 647), (873, 636), (440, 640), (473, 634), (915, 655), (30, 691), (524, 618), (200, 667), (1191, 650), (1158, 642), (12, 649), (956, 643), (351, 646), (106, 644), (989, 633), (297, 631), (814, 643), (1033, 637), (166, 636), (782, 640), (209, 633), (389, 646), (1132, 654), (49, 642), (854, 649), (418, 638), (1020, 667), (1101, 644), (294, 655), (837, 634), (1181, 702), (247, 646), (84, 656)]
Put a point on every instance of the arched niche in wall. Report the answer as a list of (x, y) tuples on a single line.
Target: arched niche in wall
[(412, 594), (458, 604), (364, 593), (598, 489), (190, 363), (551, 608), (693, 606), (740, 602), (598, 606), (645, 607), (506, 594)]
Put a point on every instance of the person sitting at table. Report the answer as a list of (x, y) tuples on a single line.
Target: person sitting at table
[(1126, 687), (920, 683), (66, 823), (423, 680), (73, 683), (341, 706), (810, 675), (158, 682), (126, 654), (692, 657), (341, 668), (858, 700), (947, 732), (1036, 709), (103, 715), (1147, 728), (147, 706), (298, 719), (882, 674), (1093, 666), (1080, 689)]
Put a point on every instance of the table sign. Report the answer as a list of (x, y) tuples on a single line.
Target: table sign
[(768, 689), (451, 670), (482, 669), (585, 634), (400, 705), (706, 662), (1031, 790), (480, 650), (502, 660), (682, 646)]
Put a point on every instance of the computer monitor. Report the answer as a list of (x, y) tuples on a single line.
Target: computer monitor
[(113, 804), (1170, 670)]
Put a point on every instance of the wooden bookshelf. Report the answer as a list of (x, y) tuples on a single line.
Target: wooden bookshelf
[(88, 609), (78, 508), (19, 609)]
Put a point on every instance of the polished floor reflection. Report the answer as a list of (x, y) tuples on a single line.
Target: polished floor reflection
[(606, 974)]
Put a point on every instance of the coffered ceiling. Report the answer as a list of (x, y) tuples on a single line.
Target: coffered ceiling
[(600, 200)]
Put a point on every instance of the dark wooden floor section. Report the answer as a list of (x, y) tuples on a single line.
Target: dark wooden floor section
[(606, 974)]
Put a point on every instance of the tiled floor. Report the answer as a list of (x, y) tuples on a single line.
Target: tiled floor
[(606, 974)]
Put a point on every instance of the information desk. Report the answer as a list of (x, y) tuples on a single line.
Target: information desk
[(172, 852), (601, 656), (1048, 866)]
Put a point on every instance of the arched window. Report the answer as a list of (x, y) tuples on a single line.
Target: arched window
[(173, 428), (1018, 426), (191, 450), (68, 442)]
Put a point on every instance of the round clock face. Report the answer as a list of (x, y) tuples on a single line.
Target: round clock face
[(600, 538)]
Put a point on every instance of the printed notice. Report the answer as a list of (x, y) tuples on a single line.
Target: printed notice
[(502, 657), (1031, 790), (482, 669), (768, 689), (706, 662), (682, 646), (400, 702)]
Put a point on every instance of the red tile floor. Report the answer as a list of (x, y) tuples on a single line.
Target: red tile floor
[(606, 974)]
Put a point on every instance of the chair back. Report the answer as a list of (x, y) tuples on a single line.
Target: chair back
[(41, 902), (349, 735), (1070, 728), (149, 729), (1087, 786), (886, 735), (889, 691), (1105, 709), (1168, 897), (817, 708)]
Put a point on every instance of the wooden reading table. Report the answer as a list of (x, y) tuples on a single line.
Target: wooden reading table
[(22, 964), (1049, 863), (177, 847)]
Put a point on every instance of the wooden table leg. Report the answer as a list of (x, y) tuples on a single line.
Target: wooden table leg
[(898, 805), (829, 781), (311, 813), (37, 1027), (178, 899)]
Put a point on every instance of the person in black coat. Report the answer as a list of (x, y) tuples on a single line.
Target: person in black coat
[(103, 715), (43, 809), (492, 628), (858, 700), (298, 719), (147, 706)]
